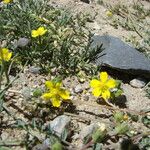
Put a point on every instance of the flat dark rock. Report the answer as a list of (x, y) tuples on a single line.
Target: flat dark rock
[(120, 56)]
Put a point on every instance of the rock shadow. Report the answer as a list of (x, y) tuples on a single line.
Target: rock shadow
[(127, 144), (120, 101)]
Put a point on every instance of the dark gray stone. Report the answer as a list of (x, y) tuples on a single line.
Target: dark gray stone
[(120, 56)]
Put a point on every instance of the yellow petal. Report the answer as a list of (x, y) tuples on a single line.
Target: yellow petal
[(6, 1), (55, 102), (111, 83), (34, 33), (103, 76), (95, 83), (41, 31), (5, 54), (58, 84), (49, 84), (96, 92), (8, 56), (64, 94), (47, 96), (109, 13), (106, 94)]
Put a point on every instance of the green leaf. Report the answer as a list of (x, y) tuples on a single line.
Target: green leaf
[(37, 92), (57, 146), (118, 116), (4, 148), (98, 136), (118, 93), (122, 128)]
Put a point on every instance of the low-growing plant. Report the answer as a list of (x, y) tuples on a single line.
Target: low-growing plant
[(105, 88), (56, 38), (5, 56), (56, 93)]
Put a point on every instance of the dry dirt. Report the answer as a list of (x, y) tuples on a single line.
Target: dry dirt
[(101, 25), (135, 97)]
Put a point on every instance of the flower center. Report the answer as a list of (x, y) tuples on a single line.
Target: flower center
[(104, 87)]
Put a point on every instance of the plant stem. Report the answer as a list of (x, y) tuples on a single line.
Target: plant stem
[(1, 74), (6, 73), (87, 145)]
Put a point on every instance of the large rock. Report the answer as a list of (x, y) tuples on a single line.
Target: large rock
[(119, 55)]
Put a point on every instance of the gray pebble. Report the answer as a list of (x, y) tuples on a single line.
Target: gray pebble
[(60, 124), (86, 97), (78, 89), (26, 92), (22, 42), (138, 83), (88, 130), (34, 70)]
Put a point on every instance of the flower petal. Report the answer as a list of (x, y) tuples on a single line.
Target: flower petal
[(95, 83), (103, 76), (9, 56), (58, 85), (55, 102), (5, 54), (6, 1), (41, 31), (49, 84), (47, 96), (106, 94), (64, 94), (34, 33), (96, 92), (111, 83)]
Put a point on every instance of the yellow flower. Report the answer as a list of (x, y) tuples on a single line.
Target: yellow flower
[(39, 32), (56, 93), (125, 117), (103, 86), (5, 54), (109, 13), (7, 1)]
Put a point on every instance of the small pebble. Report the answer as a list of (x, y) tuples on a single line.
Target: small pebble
[(22, 42), (34, 70), (86, 86), (26, 92), (11, 94), (78, 89), (86, 97), (138, 83), (60, 124)]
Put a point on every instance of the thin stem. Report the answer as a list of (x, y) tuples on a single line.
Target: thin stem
[(6, 73), (2, 68), (40, 41), (87, 145), (1, 74)]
